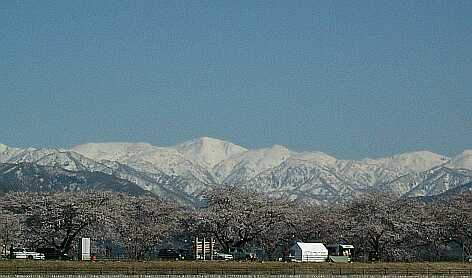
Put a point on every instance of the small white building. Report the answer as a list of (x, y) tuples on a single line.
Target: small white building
[(308, 252), (84, 249)]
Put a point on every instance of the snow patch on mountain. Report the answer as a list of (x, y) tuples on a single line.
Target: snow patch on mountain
[(7, 152), (3, 148), (72, 161), (439, 180), (184, 171), (410, 162), (31, 155), (114, 151), (301, 179), (316, 157), (148, 158), (245, 166), (209, 151), (462, 161)]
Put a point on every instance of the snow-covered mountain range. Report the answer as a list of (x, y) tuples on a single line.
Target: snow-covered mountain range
[(185, 171)]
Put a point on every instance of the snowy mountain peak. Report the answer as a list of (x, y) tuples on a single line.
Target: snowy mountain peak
[(209, 151), (31, 155), (7, 152), (411, 162), (463, 160), (314, 156), (276, 153), (71, 161), (466, 153), (3, 147), (248, 164), (114, 151), (186, 170)]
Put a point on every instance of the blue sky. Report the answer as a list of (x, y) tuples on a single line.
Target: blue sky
[(351, 78)]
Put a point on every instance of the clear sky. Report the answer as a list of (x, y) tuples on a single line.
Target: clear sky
[(350, 78)]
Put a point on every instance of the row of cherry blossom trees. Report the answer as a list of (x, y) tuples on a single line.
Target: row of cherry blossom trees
[(380, 226), (58, 220)]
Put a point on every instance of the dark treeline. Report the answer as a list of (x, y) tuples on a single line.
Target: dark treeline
[(381, 227)]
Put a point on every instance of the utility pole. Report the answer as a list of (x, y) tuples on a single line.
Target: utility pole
[(211, 248), (463, 253), (196, 248), (203, 248)]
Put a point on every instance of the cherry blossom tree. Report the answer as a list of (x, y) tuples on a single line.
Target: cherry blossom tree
[(141, 222), (57, 219), (236, 217), (456, 219), (373, 223), (312, 222), (10, 231)]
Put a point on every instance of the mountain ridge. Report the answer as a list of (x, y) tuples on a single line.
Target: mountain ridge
[(186, 170)]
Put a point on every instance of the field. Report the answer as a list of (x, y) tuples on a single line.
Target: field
[(232, 268)]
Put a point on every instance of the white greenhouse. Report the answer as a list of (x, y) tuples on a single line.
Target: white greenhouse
[(308, 252)]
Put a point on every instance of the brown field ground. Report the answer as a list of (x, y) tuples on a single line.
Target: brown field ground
[(177, 267)]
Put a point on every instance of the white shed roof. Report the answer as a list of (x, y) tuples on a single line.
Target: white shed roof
[(312, 246)]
